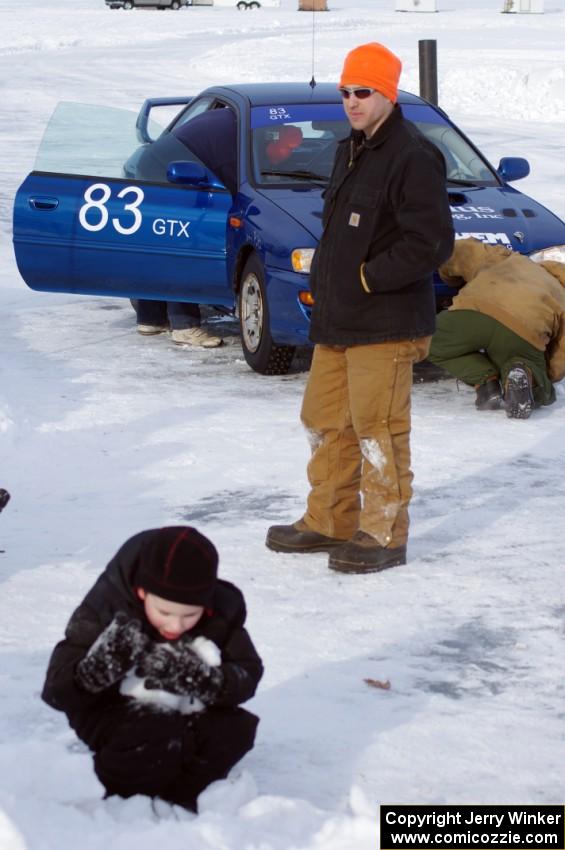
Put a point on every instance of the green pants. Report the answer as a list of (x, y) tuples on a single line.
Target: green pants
[(475, 347)]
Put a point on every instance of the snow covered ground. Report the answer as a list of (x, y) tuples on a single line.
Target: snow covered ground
[(103, 433)]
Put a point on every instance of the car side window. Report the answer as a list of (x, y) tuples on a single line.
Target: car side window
[(210, 137), (102, 142), (85, 139), (192, 110), (151, 162)]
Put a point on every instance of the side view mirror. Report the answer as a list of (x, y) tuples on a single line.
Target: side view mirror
[(192, 174), (513, 168)]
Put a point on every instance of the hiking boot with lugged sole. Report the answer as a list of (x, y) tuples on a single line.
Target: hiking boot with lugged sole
[(362, 554), (299, 538), (518, 393), (489, 395)]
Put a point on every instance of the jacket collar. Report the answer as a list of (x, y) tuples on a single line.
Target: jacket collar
[(384, 131), (358, 139)]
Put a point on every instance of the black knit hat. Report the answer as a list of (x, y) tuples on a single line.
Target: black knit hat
[(179, 564)]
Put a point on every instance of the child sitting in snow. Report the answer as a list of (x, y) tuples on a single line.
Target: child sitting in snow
[(154, 663)]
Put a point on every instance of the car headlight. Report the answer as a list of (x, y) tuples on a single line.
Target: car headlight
[(556, 252), (302, 259)]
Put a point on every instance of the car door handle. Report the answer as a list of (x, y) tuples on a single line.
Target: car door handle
[(44, 203)]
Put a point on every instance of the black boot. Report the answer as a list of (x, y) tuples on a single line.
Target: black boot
[(518, 392), (362, 554), (299, 538), (489, 395)]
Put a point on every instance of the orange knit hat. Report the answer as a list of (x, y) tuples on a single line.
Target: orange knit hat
[(372, 65)]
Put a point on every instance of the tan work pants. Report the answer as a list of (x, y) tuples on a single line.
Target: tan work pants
[(356, 410)]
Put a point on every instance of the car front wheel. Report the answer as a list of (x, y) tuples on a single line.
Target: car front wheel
[(175, 5), (128, 4), (259, 350), (242, 5)]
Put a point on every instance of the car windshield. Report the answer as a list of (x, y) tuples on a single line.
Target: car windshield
[(296, 144), (463, 163)]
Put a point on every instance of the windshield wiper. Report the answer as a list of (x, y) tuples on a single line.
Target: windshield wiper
[(456, 181), (298, 175)]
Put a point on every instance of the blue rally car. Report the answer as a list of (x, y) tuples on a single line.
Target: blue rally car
[(94, 219)]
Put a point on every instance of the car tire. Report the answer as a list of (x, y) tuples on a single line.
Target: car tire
[(175, 5), (242, 5), (254, 5), (259, 350), (128, 4)]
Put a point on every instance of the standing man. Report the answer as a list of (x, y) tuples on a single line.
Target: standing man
[(387, 226)]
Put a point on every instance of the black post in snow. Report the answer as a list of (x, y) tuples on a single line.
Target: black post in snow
[(427, 51)]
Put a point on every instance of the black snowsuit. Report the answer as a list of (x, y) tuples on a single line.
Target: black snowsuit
[(144, 749)]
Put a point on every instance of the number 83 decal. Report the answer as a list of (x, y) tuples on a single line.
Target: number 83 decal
[(94, 216)]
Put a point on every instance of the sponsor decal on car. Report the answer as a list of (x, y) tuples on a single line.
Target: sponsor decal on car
[(489, 238), (468, 212)]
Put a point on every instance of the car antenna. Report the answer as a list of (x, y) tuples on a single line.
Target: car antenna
[(313, 80)]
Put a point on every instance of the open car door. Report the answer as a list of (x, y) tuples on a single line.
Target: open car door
[(81, 225)]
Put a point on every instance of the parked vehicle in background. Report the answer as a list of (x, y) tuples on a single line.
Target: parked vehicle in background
[(90, 220), (244, 5), (147, 4)]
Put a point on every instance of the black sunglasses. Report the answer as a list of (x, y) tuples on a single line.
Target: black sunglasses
[(360, 94)]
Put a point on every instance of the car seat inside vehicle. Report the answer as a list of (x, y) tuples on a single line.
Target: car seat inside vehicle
[(280, 149)]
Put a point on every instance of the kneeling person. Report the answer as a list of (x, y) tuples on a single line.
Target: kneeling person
[(152, 669), (504, 333)]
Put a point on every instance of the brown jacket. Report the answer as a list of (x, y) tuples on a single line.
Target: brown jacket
[(526, 297)]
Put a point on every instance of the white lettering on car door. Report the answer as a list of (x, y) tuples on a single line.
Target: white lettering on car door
[(97, 196), (99, 204), (171, 227), (133, 208)]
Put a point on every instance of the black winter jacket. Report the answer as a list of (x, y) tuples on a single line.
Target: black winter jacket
[(386, 206), (115, 591)]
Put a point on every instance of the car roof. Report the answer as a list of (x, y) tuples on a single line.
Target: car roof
[(266, 94)]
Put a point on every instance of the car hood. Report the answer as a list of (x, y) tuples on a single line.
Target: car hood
[(303, 204), (496, 215), (502, 215)]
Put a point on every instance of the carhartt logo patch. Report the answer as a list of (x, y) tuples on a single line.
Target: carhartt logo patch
[(354, 220)]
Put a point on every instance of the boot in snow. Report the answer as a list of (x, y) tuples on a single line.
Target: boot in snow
[(518, 393), (362, 554), (298, 537), (489, 395)]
